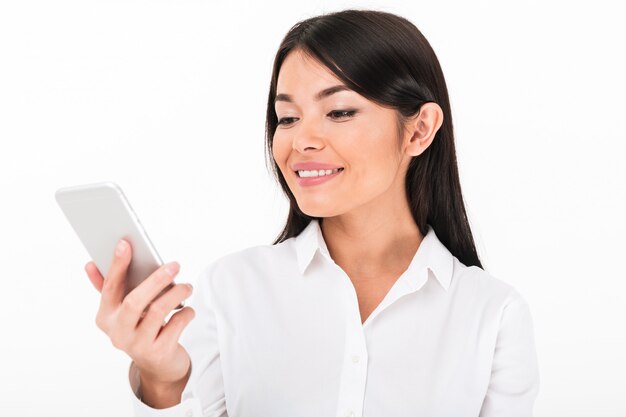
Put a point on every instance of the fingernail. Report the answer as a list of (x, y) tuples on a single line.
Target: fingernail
[(120, 248), (190, 286), (172, 268)]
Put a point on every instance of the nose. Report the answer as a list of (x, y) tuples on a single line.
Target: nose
[(307, 135)]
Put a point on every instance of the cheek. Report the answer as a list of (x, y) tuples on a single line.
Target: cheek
[(280, 151), (373, 162)]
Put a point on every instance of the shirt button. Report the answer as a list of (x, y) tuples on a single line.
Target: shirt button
[(189, 413), (355, 359), (350, 414)]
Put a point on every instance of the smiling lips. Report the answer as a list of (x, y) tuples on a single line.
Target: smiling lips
[(327, 171), (315, 180)]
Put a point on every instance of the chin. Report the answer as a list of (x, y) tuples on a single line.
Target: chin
[(317, 210)]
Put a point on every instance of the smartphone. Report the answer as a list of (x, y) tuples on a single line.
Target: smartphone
[(101, 215)]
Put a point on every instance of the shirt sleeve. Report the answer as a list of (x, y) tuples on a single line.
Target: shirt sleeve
[(203, 396), (514, 382)]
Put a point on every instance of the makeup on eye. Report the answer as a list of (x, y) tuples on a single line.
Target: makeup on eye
[(343, 114)]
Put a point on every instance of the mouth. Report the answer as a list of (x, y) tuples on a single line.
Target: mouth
[(314, 180), (315, 173)]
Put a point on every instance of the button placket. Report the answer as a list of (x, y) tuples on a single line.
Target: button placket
[(354, 372), (357, 368)]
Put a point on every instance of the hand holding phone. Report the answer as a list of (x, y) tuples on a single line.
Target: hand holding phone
[(137, 290), (163, 363)]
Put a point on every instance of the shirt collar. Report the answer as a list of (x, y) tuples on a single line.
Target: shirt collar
[(431, 254)]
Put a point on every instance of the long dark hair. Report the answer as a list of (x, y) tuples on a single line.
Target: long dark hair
[(386, 59)]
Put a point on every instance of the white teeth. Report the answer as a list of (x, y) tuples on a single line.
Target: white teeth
[(320, 173)]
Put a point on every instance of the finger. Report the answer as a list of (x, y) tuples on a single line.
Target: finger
[(141, 296), (94, 275), (172, 330), (151, 324), (114, 285)]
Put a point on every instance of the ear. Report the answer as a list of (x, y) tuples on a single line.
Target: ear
[(422, 127)]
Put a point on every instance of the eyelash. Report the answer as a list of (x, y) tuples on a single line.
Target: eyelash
[(348, 113)]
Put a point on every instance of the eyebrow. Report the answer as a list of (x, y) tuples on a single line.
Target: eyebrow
[(320, 95)]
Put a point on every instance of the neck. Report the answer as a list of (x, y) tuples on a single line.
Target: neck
[(371, 247)]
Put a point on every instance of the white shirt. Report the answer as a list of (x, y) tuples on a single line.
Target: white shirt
[(278, 332)]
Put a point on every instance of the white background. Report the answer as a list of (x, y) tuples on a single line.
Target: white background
[(168, 99)]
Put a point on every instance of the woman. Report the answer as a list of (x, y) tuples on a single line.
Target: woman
[(372, 301)]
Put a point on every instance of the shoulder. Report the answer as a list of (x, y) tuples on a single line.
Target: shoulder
[(482, 287), (254, 261), (477, 296), (256, 256)]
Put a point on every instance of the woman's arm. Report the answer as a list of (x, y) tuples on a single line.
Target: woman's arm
[(514, 382)]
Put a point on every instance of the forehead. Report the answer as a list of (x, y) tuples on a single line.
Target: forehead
[(299, 71)]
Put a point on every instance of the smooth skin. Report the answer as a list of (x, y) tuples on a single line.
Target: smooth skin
[(368, 226), (138, 327)]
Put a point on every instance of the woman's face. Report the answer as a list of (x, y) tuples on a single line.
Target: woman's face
[(342, 129)]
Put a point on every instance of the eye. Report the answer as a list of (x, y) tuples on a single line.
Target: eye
[(343, 113), (335, 114), (283, 120)]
